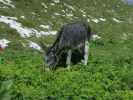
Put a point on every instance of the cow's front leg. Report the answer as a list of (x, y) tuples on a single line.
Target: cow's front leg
[(86, 52), (68, 60)]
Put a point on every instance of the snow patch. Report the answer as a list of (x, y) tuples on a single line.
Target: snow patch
[(34, 45), (52, 4), (95, 20), (57, 14), (56, 1), (45, 26), (102, 19), (23, 17), (23, 31), (7, 2), (95, 37), (116, 20), (98, 20), (84, 15), (69, 15), (44, 5), (82, 11), (88, 20), (4, 43), (52, 32)]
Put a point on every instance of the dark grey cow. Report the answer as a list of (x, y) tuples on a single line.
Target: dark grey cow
[(73, 36)]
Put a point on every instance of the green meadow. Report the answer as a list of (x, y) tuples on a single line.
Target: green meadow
[(109, 72)]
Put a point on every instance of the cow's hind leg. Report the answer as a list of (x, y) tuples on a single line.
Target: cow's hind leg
[(86, 52), (68, 60)]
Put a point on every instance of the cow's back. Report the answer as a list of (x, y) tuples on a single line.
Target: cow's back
[(73, 34)]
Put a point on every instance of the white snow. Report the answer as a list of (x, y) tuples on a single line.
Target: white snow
[(63, 11), (95, 37), (23, 17), (34, 45), (88, 20), (23, 31), (95, 20), (84, 15), (69, 15), (45, 26), (7, 2), (82, 11), (44, 5), (56, 1), (102, 19), (52, 32), (4, 43), (52, 4), (57, 14), (116, 20)]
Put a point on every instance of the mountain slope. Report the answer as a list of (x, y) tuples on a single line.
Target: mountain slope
[(109, 72)]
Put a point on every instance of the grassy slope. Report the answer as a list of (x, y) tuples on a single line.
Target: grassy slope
[(108, 74)]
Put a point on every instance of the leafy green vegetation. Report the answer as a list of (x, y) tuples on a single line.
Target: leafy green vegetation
[(109, 73)]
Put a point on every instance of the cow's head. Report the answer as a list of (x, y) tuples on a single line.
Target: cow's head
[(51, 58)]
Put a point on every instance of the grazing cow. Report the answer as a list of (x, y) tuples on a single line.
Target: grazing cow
[(71, 37)]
